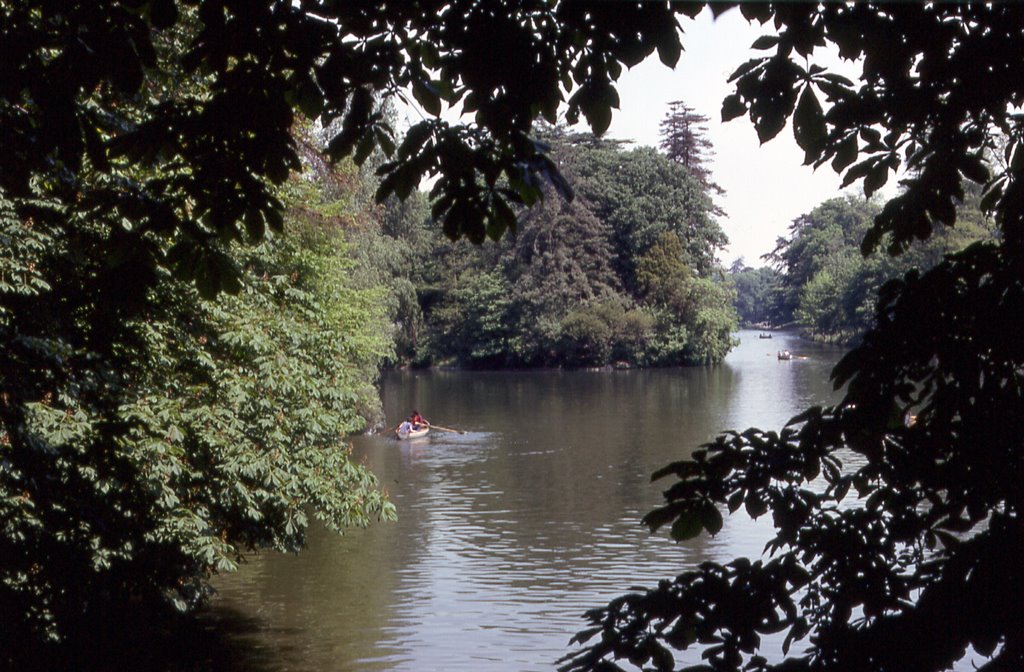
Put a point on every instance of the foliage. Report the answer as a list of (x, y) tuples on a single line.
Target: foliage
[(142, 141), (702, 307), (641, 195), (566, 291), (605, 331), (473, 320), (759, 295), (143, 452), (830, 287), (897, 512), (88, 87)]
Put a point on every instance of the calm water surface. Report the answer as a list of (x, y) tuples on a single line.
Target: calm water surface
[(508, 533)]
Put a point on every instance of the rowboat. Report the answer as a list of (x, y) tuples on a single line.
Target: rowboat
[(404, 433), (785, 354)]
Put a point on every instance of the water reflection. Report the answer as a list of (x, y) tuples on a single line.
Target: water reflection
[(509, 532)]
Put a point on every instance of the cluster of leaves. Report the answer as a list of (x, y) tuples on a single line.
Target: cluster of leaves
[(897, 513), (625, 273)]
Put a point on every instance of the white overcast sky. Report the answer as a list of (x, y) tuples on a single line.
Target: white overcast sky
[(766, 186)]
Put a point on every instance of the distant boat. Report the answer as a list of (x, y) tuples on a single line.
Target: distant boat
[(785, 354), (764, 335)]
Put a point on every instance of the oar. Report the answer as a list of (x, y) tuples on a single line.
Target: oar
[(447, 429), (389, 431)]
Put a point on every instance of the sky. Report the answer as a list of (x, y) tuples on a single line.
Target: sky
[(767, 187)]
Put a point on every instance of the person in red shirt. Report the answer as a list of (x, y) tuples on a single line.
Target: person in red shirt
[(417, 420)]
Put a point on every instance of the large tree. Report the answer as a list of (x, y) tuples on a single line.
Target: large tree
[(568, 282), (897, 512)]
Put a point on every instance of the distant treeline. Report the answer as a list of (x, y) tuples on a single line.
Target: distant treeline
[(818, 278)]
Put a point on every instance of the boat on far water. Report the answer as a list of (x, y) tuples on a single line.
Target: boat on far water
[(410, 433), (785, 354)]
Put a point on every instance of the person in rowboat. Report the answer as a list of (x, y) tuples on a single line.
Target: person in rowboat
[(417, 420)]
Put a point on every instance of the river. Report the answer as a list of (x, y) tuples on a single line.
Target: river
[(509, 532)]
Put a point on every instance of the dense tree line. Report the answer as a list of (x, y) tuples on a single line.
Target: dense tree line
[(759, 296), (624, 273), (821, 281)]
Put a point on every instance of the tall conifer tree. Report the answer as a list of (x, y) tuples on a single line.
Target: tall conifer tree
[(684, 140)]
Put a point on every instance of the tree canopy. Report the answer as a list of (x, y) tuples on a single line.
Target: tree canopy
[(211, 150), (897, 512)]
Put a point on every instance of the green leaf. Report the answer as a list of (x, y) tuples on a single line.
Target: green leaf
[(669, 49), (231, 282), (687, 526), (364, 148), (755, 506), (733, 107), (711, 518), (846, 153), (991, 196), (756, 11), (274, 219), (254, 224), (876, 178), (765, 42), (655, 519), (415, 137), (974, 169), (309, 98), (427, 96), (809, 124), (384, 140)]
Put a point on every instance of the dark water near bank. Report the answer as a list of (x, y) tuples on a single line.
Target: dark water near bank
[(508, 533)]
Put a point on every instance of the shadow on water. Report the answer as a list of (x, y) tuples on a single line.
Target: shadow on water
[(218, 638)]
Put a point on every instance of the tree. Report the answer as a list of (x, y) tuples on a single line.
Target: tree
[(195, 433), (897, 512), (642, 195), (684, 140)]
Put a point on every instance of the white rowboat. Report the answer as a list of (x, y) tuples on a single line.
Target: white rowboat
[(412, 433)]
